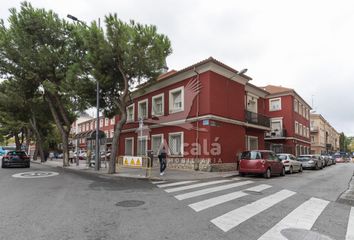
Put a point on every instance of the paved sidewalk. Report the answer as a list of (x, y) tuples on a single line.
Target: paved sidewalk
[(170, 174)]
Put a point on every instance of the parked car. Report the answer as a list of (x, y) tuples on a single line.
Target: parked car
[(261, 162), (339, 158), (15, 158), (290, 162), (311, 161), (327, 161)]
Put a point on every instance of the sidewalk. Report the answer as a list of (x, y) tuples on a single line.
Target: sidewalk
[(170, 174)]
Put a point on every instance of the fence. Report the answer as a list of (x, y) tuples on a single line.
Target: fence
[(134, 162)]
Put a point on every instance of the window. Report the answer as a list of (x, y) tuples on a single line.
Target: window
[(106, 133), (112, 133), (296, 127), (101, 122), (143, 109), (308, 132), (130, 113), (91, 125), (276, 127), (252, 103), (300, 129), (106, 121), (156, 141), (176, 100), (176, 144), (252, 143), (142, 146), (113, 121), (312, 139), (129, 146), (296, 106), (157, 105), (274, 104)]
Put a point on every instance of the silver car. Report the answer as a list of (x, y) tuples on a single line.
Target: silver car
[(290, 162), (311, 161)]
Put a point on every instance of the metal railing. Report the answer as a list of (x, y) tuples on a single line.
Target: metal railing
[(276, 134), (256, 118)]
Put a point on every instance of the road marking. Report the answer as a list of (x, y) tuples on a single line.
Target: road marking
[(35, 174), (234, 218), (211, 202), (302, 217), (211, 190), (175, 184), (170, 190), (158, 182), (350, 227)]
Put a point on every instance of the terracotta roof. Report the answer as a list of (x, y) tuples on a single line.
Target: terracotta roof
[(165, 75), (276, 89)]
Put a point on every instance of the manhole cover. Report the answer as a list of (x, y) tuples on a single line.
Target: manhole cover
[(130, 203), (303, 234), (36, 174)]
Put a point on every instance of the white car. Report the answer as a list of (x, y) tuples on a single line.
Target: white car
[(290, 162)]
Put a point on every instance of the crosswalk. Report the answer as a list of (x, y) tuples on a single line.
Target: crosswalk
[(203, 195)]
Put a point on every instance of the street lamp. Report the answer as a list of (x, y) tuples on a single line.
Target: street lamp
[(97, 158)]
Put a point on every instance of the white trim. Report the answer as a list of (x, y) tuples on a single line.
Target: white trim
[(182, 143), (131, 120), (274, 99), (170, 100), (147, 108), (161, 135), (125, 145), (248, 142), (162, 95)]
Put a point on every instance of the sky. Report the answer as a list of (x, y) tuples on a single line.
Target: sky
[(307, 45)]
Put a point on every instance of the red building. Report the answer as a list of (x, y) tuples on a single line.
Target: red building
[(290, 121), (205, 114)]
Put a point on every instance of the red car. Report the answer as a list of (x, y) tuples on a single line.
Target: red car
[(261, 162)]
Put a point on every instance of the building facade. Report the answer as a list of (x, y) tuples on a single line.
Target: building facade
[(324, 138), (289, 121), (205, 115)]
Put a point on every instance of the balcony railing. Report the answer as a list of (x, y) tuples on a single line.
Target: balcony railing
[(276, 133), (314, 128), (256, 118)]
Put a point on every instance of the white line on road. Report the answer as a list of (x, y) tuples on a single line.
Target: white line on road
[(234, 218), (175, 184), (302, 217), (170, 190), (158, 182), (211, 190), (211, 202), (350, 227)]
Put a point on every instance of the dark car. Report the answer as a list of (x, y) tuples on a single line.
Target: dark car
[(16, 159), (261, 162)]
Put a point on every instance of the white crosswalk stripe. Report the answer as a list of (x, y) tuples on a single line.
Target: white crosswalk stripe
[(158, 182), (234, 218), (211, 190), (350, 227), (211, 202), (302, 217), (175, 184), (177, 189)]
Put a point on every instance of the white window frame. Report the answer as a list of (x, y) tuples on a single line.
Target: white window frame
[(296, 105), (125, 144), (113, 121), (133, 118), (112, 133), (101, 122), (138, 144), (147, 108), (249, 143), (162, 96), (106, 121), (182, 143), (300, 129), (251, 97), (296, 127), (270, 104), (171, 109), (152, 141)]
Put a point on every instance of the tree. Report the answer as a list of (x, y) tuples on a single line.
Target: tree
[(43, 52), (344, 143), (124, 55)]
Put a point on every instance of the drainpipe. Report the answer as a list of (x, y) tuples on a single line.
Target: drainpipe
[(197, 130)]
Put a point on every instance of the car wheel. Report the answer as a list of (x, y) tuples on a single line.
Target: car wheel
[(2, 164), (268, 173), (300, 170), (283, 171), (28, 165), (291, 170), (316, 166)]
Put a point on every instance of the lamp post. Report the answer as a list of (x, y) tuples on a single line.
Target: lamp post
[(97, 158)]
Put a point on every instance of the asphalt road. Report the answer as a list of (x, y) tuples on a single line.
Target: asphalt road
[(79, 205)]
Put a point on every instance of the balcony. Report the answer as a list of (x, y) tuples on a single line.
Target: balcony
[(276, 134), (314, 128), (256, 118)]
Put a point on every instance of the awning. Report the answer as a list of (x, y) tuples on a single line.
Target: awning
[(90, 135)]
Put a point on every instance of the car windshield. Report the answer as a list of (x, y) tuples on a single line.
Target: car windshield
[(282, 157), (17, 153), (250, 155), (304, 158)]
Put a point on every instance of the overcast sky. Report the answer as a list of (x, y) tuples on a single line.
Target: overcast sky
[(307, 45)]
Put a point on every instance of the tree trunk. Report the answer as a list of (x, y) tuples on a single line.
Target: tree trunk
[(17, 142), (63, 132), (115, 143), (39, 142), (35, 154)]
